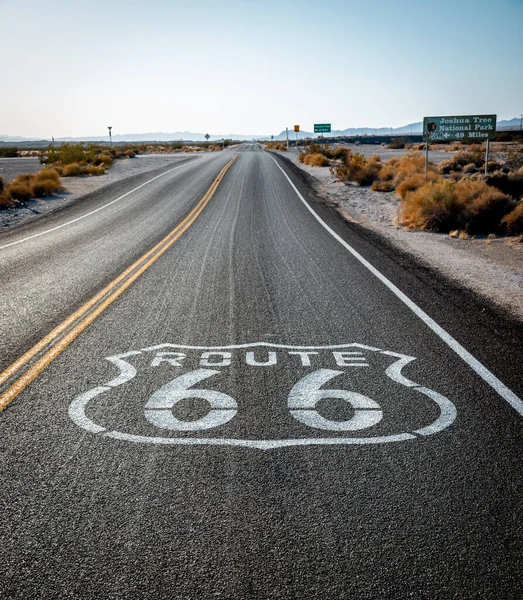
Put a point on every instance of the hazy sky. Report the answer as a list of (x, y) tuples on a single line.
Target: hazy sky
[(73, 67)]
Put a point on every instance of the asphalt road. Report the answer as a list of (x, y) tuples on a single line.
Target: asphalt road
[(257, 411)]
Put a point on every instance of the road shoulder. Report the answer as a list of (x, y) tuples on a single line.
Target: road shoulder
[(492, 268)]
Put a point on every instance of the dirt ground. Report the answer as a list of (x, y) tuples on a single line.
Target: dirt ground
[(491, 267)]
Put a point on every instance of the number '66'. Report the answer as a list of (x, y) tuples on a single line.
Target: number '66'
[(302, 403)]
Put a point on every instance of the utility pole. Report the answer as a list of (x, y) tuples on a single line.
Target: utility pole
[(521, 123), (110, 136)]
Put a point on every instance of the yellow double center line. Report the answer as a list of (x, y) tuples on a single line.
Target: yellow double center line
[(24, 370)]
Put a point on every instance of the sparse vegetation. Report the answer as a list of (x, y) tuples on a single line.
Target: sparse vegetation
[(8, 152), (314, 159), (28, 186), (454, 196), (514, 220), (275, 145), (466, 205), (397, 144)]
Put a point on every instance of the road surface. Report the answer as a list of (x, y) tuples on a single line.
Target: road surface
[(224, 391)]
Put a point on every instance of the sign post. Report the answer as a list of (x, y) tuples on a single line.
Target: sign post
[(296, 129), (322, 127), (464, 127), (287, 131)]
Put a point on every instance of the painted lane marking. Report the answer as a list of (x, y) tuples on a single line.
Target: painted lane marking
[(303, 402), (30, 237), (57, 340), (495, 383)]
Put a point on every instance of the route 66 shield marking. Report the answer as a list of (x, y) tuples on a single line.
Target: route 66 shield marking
[(351, 375)]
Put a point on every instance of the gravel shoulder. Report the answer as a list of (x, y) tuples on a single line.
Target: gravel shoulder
[(77, 187), (490, 267)]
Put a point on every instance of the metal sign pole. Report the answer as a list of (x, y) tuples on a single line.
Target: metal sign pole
[(486, 155), (287, 137), (427, 160)]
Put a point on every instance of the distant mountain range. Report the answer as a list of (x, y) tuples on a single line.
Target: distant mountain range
[(186, 136)]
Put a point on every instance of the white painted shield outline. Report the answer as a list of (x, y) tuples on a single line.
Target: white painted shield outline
[(128, 372)]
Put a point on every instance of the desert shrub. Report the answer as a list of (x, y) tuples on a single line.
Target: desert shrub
[(483, 207), (73, 170), (514, 159), (48, 175), (431, 206), (45, 187), (513, 222), (508, 183), (103, 159), (273, 145), (474, 155), (355, 167), (130, 154), (338, 153), (282, 148), (95, 170), (411, 163), (470, 168), (27, 186), (66, 154), (397, 144), (5, 200), (383, 186), (8, 152), (20, 191), (468, 205), (412, 183), (370, 172), (315, 159)]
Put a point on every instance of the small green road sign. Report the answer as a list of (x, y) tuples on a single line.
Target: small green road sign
[(469, 127), (322, 127)]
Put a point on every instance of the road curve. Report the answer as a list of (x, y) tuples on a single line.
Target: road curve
[(259, 415)]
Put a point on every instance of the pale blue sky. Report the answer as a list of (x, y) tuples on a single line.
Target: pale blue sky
[(242, 66)]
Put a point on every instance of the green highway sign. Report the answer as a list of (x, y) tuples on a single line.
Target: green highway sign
[(322, 128), (469, 127)]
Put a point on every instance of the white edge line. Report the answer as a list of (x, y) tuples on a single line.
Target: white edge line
[(473, 363), (30, 237)]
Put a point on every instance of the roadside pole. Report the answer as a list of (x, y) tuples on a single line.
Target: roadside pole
[(287, 129), (427, 160), (486, 155)]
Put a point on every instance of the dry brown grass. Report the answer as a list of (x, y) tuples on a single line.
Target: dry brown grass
[(95, 170), (73, 170), (28, 186), (467, 205), (275, 145), (315, 160), (355, 167), (412, 182), (514, 220)]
